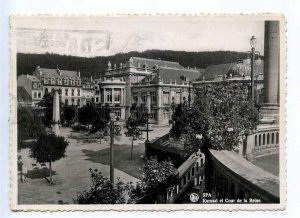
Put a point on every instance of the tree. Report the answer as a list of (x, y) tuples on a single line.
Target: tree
[(156, 177), (68, 113), (49, 148), (30, 124), (221, 114), (87, 115), (47, 102), (133, 130), (102, 191)]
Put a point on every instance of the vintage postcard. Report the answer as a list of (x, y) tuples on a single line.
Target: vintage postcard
[(147, 112)]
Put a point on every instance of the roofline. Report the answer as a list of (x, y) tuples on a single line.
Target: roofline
[(157, 60)]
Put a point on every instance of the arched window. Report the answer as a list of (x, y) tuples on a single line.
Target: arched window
[(259, 140), (264, 139), (273, 138), (268, 139), (277, 138)]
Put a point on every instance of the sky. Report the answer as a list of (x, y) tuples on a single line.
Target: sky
[(103, 36)]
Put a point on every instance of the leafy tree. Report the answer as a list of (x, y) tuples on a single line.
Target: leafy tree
[(30, 124), (49, 148), (221, 114), (87, 115), (133, 130), (68, 113), (102, 191), (156, 176), (47, 102)]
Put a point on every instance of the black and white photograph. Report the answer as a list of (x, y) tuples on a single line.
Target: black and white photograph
[(149, 112)]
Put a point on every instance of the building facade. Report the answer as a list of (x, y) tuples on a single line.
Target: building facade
[(30, 90), (68, 82), (88, 91), (157, 84)]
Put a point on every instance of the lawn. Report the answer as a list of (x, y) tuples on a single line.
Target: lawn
[(122, 158)]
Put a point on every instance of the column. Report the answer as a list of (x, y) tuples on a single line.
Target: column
[(148, 102), (159, 105), (270, 108), (104, 95), (56, 113), (112, 95)]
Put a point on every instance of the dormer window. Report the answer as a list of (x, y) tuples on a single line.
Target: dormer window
[(45, 80), (39, 85), (34, 85), (52, 81), (66, 82)]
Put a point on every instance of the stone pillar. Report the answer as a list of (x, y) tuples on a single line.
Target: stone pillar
[(270, 108), (159, 105), (148, 102), (104, 95), (128, 97), (56, 113)]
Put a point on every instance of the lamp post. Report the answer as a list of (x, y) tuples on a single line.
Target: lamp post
[(253, 60), (113, 129), (147, 116), (173, 108), (189, 96)]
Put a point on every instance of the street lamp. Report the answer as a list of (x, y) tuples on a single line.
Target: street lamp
[(189, 96), (253, 42), (114, 129), (173, 108), (147, 116)]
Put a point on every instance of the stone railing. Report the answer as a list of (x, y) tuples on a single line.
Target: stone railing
[(259, 140)]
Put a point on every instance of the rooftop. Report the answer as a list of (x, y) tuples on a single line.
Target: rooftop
[(153, 62), (57, 73), (235, 68)]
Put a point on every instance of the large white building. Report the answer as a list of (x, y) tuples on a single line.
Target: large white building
[(68, 82)]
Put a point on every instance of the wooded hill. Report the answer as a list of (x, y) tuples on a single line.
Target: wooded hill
[(26, 63)]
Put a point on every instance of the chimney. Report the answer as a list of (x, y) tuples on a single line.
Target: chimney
[(79, 73)]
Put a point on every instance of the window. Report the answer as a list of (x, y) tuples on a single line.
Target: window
[(52, 81), (78, 92), (39, 86), (60, 81), (118, 113), (184, 180), (78, 101), (34, 95), (193, 171), (189, 175), (153, 97), (117, 95), (66, 102), (108, 95), (144, 97), (45, 80), (66, 82), (72, 92), (165, 97), (72, 101), (39, 95), (97, 100), (72, 82), (153, 114), (66, 92), (135, 97), (34, 85)]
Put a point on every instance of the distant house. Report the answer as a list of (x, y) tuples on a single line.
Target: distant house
[(234, 72), (68, 82), (30, 90)]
